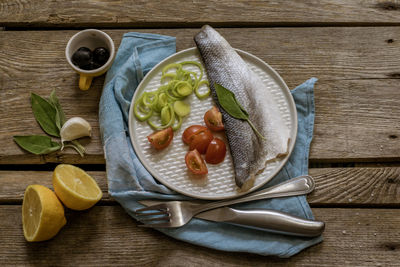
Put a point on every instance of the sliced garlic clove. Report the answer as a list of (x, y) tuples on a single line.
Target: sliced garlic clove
[(75, 128)]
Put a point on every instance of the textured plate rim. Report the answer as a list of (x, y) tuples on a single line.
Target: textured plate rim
[(291, 107)]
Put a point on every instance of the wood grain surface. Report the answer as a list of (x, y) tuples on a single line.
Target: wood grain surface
[(357, 116), (14, 183), (108, 236), (352, 47), (175, 13), (334, 186)]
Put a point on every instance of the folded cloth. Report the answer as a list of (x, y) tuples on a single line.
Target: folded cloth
[(129, 181)]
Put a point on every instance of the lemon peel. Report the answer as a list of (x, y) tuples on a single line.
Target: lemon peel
[(75, 188), (42, 213)]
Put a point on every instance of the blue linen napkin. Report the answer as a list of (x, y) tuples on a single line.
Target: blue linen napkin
[(129, 181)]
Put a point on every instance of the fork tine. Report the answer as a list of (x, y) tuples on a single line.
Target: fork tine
[(150, 213), (154, 221), (163, 218), (154, 207), (156, 225)]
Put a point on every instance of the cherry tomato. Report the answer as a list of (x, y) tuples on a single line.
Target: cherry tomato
[(161, 139), (195, 162), (189, 133), (216, 151), (213, 119), (201, 141)]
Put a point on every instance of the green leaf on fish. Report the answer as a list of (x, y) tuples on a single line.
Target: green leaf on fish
[(231, 105)]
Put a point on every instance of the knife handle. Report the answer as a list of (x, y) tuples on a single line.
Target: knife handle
[(277, 222), (294, 187)]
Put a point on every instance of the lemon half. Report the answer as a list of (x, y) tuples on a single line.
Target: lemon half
[(42, 213), (75, 188)]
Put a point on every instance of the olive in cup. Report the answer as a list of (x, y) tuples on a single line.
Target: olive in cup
[(86, 59)]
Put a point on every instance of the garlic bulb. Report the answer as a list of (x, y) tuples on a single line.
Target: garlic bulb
[(75, 128)]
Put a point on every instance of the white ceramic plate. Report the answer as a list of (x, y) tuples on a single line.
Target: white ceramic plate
[(168, 166)]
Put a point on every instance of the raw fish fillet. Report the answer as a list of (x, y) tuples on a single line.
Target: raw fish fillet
[(250, 153)]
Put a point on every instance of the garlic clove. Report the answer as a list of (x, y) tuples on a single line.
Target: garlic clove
[(75, 128)]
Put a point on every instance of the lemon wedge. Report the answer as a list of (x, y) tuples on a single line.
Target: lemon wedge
[(75, 188), (42, 213)]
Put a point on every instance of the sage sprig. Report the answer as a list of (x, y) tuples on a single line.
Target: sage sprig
[(45, 114), (37, 144), (60, 115), (51, 117), (230, 104)]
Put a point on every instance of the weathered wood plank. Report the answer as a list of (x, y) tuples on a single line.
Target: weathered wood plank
[(356, 121), (356, 186), (108, 236), (356, 96), (334, 186), (158, 13), (14, 183)]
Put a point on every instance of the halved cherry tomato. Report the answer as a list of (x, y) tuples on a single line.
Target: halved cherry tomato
[(213, 119), (216, 151), (195, 162), (189, 133), (161, 139), (200, 141)]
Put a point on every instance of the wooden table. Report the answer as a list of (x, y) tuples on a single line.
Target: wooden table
[(352, 46)]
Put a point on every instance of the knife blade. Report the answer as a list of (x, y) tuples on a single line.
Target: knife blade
[(262, 219)]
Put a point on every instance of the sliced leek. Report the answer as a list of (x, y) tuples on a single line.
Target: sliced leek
[(166, 102)]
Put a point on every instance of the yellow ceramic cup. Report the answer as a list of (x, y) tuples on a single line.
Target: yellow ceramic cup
[(91, 39)]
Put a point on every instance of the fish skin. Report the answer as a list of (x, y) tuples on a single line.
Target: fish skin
[(250, 153)]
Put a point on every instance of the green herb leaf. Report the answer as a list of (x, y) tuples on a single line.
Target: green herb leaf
[(231, 105), (37, 144), (60, 115), (45, 115)]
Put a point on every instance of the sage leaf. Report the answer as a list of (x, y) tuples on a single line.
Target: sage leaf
[(45, 115), (37, 144), (231, 105), (60, 115)]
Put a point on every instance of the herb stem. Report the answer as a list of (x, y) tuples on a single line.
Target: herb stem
[(77, 146), (231, 105), (254, 129)]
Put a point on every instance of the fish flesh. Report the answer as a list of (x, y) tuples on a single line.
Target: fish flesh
[(250, 153)]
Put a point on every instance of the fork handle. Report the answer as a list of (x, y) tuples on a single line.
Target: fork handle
[(297, 186)]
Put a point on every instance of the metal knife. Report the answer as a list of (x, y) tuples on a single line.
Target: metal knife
[(263, 219)]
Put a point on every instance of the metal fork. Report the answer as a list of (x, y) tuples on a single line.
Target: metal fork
[(178, 213)]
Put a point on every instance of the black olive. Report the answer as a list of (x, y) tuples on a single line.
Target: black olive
[(94, 65), (82, 57), (91, 66), (85, 49), (100, 55)]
